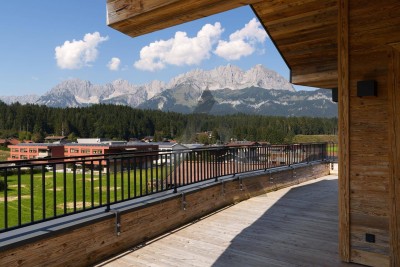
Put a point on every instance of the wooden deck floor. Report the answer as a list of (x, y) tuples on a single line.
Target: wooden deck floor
[(296, 226)]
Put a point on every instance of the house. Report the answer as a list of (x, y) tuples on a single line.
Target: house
[(193, 145), (27, 151), (108, 147), (54, 139), (148, 139), (169, 152), (13, 141)]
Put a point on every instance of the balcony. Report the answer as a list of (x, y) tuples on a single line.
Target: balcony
[(294, 226), (105, 213)]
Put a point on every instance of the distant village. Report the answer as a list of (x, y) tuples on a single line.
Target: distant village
[(60, 146)]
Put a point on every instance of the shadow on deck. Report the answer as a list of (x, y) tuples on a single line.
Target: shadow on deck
[(296, 226)]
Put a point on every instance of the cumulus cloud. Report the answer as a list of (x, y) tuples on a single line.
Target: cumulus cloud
[(242, 42), (114, 63), (76, 54), (180, 50)]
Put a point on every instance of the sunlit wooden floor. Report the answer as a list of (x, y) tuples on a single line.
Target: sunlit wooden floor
[(296, 226)]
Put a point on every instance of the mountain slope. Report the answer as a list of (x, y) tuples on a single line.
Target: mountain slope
[(253, 100)]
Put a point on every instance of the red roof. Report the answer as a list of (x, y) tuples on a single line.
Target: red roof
[(14, 141), (3, 141)]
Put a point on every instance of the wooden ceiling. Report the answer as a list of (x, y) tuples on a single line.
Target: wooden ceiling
[(138, 17), (304, 31)]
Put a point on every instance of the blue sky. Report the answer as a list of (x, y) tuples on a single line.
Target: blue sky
[(45, 42)]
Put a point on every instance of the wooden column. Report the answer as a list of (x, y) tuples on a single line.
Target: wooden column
[(394, 138), (344, 138)]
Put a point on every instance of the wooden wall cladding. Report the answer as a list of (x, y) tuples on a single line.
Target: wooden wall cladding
[(371, 26), (95, 242)]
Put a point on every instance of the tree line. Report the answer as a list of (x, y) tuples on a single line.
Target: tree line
[(34, 122)]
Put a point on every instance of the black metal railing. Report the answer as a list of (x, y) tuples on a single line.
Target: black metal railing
[(44, 189), (333, 150)]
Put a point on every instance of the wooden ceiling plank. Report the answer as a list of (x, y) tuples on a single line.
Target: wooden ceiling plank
[(305, 34), (300, 23), (282, 6), (305, 46), (168, 13), (292, 14), (118, 10)]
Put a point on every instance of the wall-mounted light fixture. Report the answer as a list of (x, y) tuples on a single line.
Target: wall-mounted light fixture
[(367, 88), (335, 95)]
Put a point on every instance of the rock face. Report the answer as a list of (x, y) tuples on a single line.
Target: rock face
[(230, 90), (252, 100), (232, 77)]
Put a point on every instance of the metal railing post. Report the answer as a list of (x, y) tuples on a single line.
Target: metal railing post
[(108, 185), (175, 182)]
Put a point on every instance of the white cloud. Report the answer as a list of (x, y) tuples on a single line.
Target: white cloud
[(114, 64), (76, 54), (242, 42), (234, 50), (180, 50)]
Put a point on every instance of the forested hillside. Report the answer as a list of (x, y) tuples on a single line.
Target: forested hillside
[(122, 122)]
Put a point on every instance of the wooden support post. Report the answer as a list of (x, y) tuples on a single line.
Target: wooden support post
[(344, 138), (394, 153)]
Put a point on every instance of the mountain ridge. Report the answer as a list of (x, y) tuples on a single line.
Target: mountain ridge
[(252, 100), (183, 92)]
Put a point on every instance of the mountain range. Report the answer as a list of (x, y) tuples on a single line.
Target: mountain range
[(223, 90)]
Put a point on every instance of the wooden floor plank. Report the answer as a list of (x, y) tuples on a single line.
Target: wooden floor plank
[(295, 226)]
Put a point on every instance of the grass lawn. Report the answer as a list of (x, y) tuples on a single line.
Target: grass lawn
[(333, 148), (80, 191), (314, 138)]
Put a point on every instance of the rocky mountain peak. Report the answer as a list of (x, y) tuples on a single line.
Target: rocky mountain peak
[(77, 92), (232, 77)]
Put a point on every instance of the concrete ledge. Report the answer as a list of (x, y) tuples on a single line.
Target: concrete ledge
[(89, 237)]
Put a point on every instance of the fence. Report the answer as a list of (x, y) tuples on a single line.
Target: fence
[(39, 190)]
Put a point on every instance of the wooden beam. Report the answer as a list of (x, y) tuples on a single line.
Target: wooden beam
[(138, 17), (394, 156), (321, 79), (344, 130)]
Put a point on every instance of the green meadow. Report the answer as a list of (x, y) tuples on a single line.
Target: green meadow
[(84, 189)]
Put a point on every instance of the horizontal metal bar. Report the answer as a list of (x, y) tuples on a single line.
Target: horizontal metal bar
[(78, 184)]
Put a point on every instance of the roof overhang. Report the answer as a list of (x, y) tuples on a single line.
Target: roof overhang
[(304, 31), (138, 17)]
